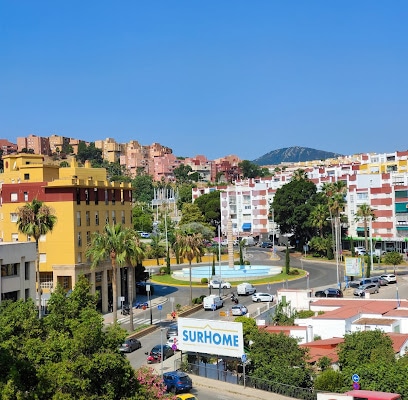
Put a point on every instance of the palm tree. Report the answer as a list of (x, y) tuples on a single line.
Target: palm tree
[(134, 255), (365, 213), (319, 217), (118, 244), (189, 246), (299, 174), (36, 219)]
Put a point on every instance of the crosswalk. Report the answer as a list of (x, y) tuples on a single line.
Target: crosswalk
[(139, 321)]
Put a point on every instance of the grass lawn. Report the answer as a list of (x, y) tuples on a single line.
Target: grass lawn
[(169, 280)]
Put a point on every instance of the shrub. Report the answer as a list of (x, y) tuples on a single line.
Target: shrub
[(163, 270), (198, 300), (204, 281), (305, 314)]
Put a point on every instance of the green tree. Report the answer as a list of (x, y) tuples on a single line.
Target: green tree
[(249, 169), (90, 153), (143, 189), (209, 204), (142, 217), (278, 358), (182, 174), (184, 195), (191, 213), (292, 204), (156, 249), (365, 213), (112, 243), (331, 381), (319, 217), (394, 258), (189, 246), (36, 219)]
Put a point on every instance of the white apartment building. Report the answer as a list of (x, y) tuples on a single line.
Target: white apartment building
[(17, 280)]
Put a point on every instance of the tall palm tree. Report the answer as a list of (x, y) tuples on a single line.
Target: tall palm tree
[(299, 174), (116, 244), (134, 255), (189, 245), (36, 219), (318, 217), (365, 213)]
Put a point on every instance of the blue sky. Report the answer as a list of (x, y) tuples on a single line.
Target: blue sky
[(214, 77)]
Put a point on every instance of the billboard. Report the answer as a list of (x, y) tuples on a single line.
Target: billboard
[(211, 337), (353, 266)]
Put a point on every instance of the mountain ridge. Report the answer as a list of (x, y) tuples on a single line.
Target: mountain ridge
[(294, 154)]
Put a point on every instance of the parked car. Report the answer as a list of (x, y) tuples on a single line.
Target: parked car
[(329, 292), (130, 345), (258, 297), (155, 352), (390, 278), (239, 309), (245, 289), (267, 245), (357, 283), (367, 288), (360, 250), (186, 396), (172, 331), (177, 381), (216, 284), (379, 280)]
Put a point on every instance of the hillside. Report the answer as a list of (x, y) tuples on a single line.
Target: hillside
[(292, 155)]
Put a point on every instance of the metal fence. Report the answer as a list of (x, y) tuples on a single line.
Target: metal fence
[(219, 372)]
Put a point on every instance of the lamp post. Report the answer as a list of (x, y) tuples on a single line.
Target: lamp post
[(273, 232), (149, 298), (219, 253), (370, 226)]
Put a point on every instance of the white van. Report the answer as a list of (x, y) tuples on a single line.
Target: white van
[(245, 289), (212, 302)]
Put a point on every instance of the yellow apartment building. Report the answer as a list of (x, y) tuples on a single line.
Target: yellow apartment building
[(83, 201)]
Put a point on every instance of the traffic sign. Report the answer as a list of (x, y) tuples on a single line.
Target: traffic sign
[(174, 347), (213, 307), (159, 307), (355, 378), (356, 386), (244, 358)]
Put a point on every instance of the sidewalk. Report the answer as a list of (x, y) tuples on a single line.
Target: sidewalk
[(108, 317), (230, 388)]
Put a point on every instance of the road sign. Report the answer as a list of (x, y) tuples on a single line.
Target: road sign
[(356, 386), (213, 307), (159, 307), (355, 378), (244, 358)]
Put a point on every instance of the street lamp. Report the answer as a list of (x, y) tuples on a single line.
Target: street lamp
[(273, 231), (336, 234), (370, 226)]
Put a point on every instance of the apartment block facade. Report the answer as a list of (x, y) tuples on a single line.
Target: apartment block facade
[(83, 201)]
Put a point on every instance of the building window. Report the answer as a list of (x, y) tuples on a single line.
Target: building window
[(98, 277), (79, 258), (27, 177), (106, 197), (114, 217), (13, 217), (106, 217), (88, 218), (43, 257), (79, 239), (25, 196), (13, 197), (96, 217), (86, 196), (9, 269), (14, 237), (123, 217), (88, 237), (65, 282), (27, 271), (122, 200), (78, 196), (96, 196), (78, 218), (113, 197)]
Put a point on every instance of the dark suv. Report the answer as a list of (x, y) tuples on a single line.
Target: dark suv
[(330, 292), (177, 381), (267, 245)]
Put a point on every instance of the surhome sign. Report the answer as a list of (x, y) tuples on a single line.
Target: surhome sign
[(211, 337)]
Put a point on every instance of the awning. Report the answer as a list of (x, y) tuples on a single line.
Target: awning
[(246, 226)]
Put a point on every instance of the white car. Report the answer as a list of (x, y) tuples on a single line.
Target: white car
[(258, 297), (216, 284), (239, 309), (390, 278)]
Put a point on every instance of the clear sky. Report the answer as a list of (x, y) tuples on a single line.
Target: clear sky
[(212, 77)]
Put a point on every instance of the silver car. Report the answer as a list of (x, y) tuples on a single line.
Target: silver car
[(367, 288)]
